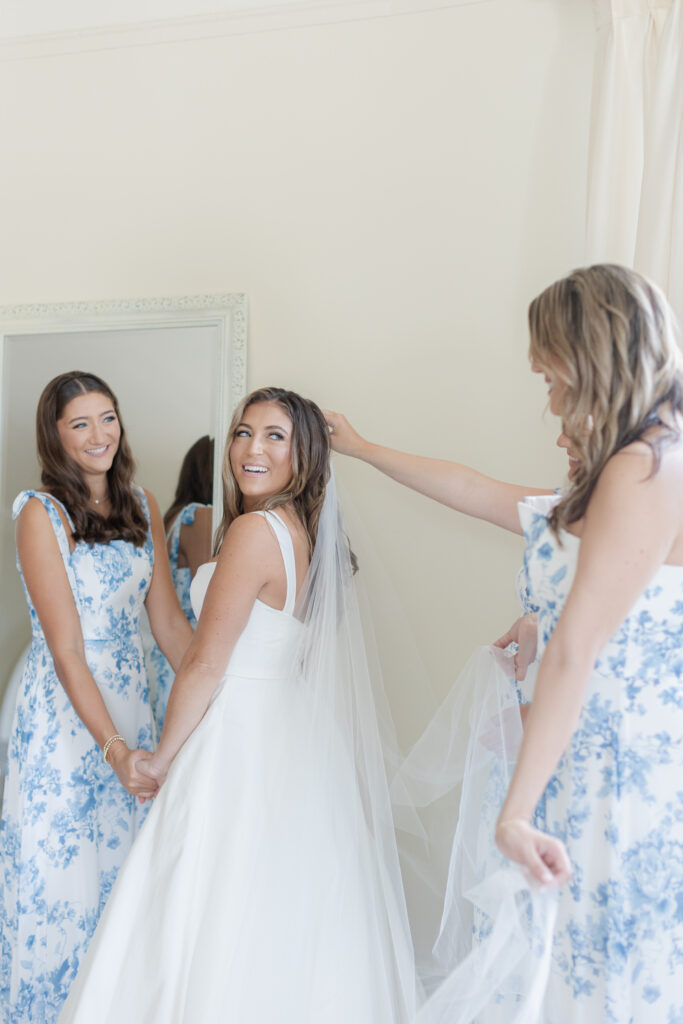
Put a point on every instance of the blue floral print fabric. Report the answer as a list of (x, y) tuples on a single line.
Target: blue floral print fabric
[(161, 674), (616, 800), (67, 823)]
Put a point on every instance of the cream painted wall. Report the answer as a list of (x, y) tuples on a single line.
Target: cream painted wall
[(389, 193)]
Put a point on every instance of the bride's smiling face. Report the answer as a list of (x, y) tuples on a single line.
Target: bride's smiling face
[(261, 452)]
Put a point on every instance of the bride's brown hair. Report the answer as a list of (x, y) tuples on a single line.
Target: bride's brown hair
[(62, 477), (310, 463), (610, 335)]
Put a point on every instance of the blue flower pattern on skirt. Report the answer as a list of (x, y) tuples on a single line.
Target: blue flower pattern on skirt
[(67, 823), (616, 799)]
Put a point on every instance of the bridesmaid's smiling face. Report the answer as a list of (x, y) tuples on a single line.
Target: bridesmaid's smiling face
[(261, 452), (90, 432)]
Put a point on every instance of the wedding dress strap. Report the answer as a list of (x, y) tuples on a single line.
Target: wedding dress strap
[(284, 539)]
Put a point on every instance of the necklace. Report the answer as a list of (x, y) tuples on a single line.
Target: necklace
[(96, 501)]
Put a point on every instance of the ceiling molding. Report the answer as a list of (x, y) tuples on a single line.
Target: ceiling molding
[(211, 26)]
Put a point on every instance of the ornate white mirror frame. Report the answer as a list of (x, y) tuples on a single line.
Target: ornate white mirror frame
[(218, 324), (226, 314)]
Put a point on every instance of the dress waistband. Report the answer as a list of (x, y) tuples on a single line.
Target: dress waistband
[(122, 637)]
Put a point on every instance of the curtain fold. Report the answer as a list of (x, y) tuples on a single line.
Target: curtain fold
[(635, 201)]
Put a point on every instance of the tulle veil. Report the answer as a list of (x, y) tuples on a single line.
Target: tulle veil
[(469, 934)]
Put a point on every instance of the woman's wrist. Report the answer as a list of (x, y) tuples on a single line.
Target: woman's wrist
[(116, 752), (510, 814), (502, 822), (161, 758)]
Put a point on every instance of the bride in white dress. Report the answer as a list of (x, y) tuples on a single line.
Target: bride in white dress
[(265, 885)]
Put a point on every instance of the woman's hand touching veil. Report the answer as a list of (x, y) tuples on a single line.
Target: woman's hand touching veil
[(524, 633), (543, 856), (343, 438)]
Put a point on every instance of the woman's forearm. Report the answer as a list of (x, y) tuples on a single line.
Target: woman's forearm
[(173, 636), (191, 693), (550, 724), (83, 692), (450, 483)]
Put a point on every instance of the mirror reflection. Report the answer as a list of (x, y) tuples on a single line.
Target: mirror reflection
[(187, 523), (174, 382)]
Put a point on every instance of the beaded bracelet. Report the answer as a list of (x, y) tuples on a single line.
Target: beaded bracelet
[(105, 748)]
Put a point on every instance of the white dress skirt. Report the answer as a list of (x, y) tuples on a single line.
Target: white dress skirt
[(254, 893)]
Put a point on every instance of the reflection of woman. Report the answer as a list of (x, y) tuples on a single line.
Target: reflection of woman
[(188, 540), (265, 885), (189, 537), (86, 546)]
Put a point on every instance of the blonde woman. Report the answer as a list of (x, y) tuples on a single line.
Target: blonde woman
[(603, 744), (595, 805)]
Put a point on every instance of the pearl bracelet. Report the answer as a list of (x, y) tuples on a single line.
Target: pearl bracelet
[(105, 748)]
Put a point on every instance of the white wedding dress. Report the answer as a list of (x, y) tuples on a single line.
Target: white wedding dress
[(256, 892)]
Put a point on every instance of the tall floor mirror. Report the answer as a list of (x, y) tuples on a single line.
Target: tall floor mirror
[(178, 368)]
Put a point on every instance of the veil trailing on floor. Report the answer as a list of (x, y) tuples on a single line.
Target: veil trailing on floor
[(485, 956), (469, 937), (352, 735)]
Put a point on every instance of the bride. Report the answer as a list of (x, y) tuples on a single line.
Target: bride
[(265, 885)]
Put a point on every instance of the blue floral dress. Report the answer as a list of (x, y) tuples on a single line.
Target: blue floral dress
[(616, 800), (160, 673), (67, 823)]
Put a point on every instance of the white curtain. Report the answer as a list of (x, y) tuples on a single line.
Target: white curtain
[(635, 175)]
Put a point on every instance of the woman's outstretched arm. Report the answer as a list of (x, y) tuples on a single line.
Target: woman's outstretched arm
[(449, 483)]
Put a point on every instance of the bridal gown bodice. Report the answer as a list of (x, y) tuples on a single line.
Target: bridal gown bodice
[(267, 646)]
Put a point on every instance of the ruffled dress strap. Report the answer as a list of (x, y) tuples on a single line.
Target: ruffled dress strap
[(534, 512), (49, 503), (284, 539)]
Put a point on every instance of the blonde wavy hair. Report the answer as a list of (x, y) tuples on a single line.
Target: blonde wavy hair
[(310, 463), (610, 336)]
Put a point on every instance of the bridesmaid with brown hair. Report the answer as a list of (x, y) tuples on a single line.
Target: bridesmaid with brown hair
[(90, 550)]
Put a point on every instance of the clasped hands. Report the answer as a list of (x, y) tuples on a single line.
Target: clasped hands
[(140, 772)]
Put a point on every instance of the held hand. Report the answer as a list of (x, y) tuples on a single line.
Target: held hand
[(154, 769), (125, 763), (524, 633), (542, 855), (343, 438)]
